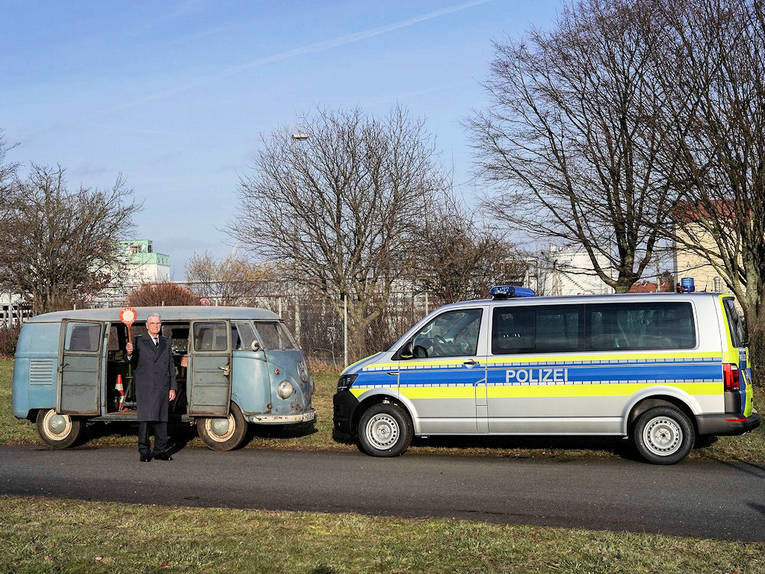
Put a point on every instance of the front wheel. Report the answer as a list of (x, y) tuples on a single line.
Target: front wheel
[(663, 435), (223, 433), (384, 430), (56, 430)]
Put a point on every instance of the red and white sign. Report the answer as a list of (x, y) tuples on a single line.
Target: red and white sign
[(204, 301), (128, 316)]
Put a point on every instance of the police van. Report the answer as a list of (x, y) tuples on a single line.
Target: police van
[(659, 369), (235, 366)]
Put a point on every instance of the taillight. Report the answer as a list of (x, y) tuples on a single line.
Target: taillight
[(731, 377)]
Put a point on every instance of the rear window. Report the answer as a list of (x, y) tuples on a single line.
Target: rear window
[(597, 327), (274, 335), (735, 323)]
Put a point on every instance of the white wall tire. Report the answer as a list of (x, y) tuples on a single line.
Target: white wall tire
[(663, 435), (57, 430)]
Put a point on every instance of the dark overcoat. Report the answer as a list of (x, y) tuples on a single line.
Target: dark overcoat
[(154, 374)]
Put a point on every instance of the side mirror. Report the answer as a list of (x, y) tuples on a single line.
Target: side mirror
[(255, 345), (406, 351)]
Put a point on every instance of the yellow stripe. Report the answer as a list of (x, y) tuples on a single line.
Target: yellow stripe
[(623, 356), (551, 391)]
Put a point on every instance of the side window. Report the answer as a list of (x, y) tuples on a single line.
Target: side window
[(242, 335), (82, 337), (451, 334), (512, 330), (635, 326), (735, 324), (210, 336), (536, 329)]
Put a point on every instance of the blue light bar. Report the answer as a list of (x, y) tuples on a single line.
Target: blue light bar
[(507, 291)]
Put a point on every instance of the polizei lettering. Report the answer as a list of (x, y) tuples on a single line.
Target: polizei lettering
[(538, 376)]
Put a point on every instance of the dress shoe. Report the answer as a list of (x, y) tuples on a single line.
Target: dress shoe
[(163, 456), (145, 458)]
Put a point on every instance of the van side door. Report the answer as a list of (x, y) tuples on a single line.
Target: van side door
[(79, 370), (209, 368)]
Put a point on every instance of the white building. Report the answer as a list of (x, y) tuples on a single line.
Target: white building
[(568, 270)]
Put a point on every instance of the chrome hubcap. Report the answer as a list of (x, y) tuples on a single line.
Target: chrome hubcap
[(221, 429), (57, 425)]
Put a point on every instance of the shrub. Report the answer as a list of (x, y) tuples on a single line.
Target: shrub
[(8, 339), (155, 294)]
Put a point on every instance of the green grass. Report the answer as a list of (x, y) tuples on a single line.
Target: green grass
[(47, 535), (749, 447)]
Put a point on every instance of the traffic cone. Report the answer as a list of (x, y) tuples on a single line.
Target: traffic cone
[(121, 389)]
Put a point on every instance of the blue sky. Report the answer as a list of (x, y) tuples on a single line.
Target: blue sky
[(174, 95)]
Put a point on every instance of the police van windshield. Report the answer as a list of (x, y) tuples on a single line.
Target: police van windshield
[(274, 336)]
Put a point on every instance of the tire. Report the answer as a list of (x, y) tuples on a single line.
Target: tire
[(663, 435), (56, 430), (223, 433), (384, 430)]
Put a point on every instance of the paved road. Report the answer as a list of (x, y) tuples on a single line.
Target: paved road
[(714, 500)]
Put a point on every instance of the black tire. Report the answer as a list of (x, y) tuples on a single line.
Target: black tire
[(221, 433), (57, 430), (384, 430), (663, 435)]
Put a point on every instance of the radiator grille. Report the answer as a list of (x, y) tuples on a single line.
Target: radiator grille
[(41, 371)]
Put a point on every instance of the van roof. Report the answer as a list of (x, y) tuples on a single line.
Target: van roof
[(167, 313), (610, 298)]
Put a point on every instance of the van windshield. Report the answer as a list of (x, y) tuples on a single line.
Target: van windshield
[(274, 335)]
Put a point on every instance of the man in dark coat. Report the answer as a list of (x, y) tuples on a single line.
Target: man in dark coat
[(155, 387)]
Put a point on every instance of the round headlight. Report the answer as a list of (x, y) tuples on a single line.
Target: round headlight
[(285, 389)]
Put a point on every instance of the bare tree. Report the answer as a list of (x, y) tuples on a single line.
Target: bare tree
[(337, 210), (714, 68), (165, 293), (57, 246), (573, 133), (455, 259), (233, 280)]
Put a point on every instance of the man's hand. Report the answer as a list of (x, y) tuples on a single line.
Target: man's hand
[(172, 395), (129, 348)]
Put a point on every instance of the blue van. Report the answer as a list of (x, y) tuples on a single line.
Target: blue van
[(234, 366)]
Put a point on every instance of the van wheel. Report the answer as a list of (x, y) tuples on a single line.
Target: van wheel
[(58, 431), (223, 433), (384, 430), (663, 435)]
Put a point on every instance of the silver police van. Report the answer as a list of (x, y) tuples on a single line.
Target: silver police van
[(234, 366), (660, 369)]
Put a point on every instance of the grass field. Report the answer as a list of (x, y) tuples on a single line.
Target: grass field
[(48, 535), (749, 447)]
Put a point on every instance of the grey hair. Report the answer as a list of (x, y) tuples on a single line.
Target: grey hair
[(157, 315)]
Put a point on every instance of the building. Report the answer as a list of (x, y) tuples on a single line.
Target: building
[(144, 264), (568, 270)]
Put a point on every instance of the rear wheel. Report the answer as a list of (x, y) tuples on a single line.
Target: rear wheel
[(663, 435), (56, 430), (223, 433), (384, 430)]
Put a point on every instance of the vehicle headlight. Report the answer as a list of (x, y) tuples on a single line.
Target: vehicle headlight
[(345, 381), (285, 389)]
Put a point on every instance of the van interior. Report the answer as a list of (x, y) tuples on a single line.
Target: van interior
[(118, 366)]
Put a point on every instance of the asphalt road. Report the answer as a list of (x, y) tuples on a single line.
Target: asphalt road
[(711, 500)]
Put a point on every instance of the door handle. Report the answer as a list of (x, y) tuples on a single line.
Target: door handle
[(470, 363), (225, 369)]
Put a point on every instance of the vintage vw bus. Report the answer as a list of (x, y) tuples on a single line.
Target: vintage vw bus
[(234, 366)]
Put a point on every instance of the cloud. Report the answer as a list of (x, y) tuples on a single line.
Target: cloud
[(303, 50)]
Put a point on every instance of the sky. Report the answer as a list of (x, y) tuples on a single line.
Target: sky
[(174, 96)]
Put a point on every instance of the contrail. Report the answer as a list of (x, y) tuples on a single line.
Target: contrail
[(308, 49)]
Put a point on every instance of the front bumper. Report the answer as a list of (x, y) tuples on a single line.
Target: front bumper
[(344, 405), (306, 417), (726, 424)]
